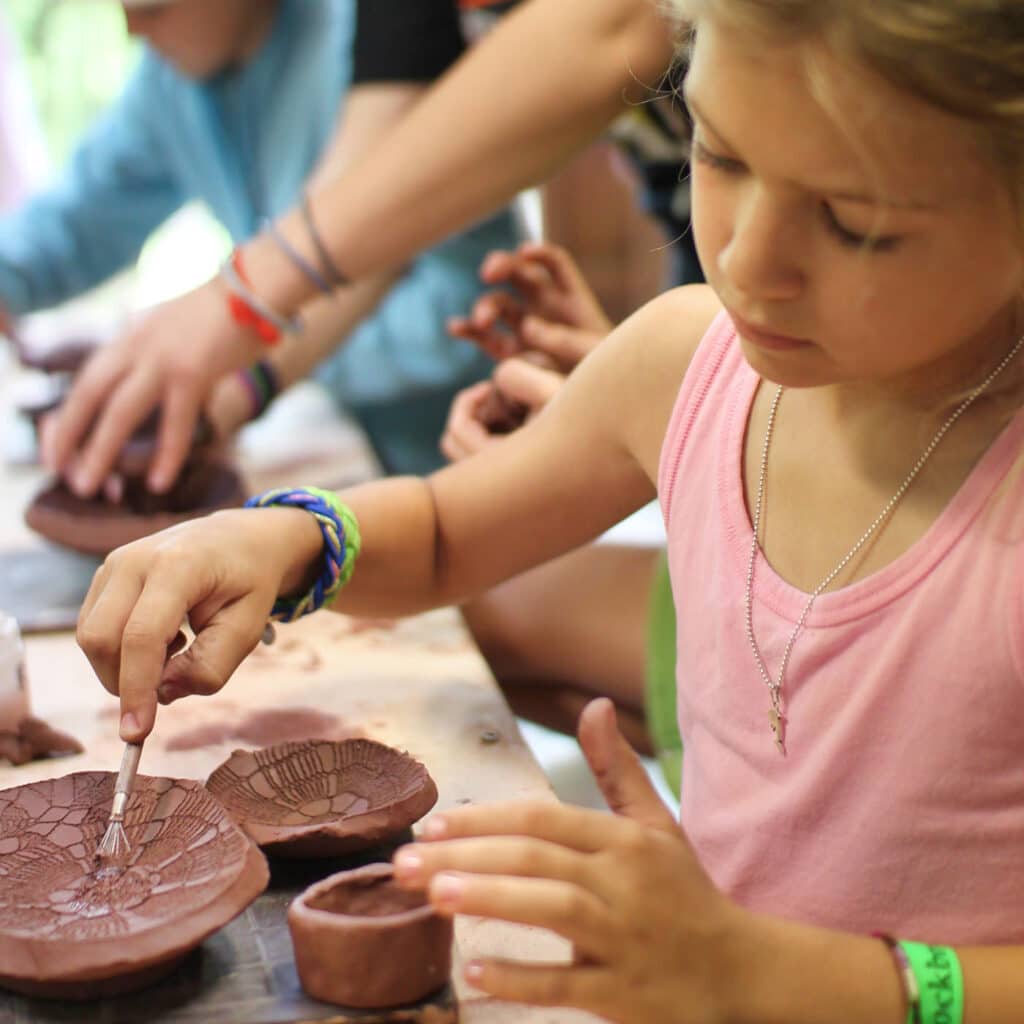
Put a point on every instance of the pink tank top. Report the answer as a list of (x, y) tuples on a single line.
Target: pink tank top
[(900, 805)]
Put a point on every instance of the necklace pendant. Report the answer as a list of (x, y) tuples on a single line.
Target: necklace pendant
[(777, 723)]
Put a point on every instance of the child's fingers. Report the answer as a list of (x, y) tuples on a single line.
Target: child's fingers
[(523, 383), (575, 828), (179, 412), (417, 863), (583, 988), (618, 771), (496, 266), (464, 434), (101, 623), (495, 307), (568, 345), (150, 629), (559, 265), (220, 646), (561, 907)]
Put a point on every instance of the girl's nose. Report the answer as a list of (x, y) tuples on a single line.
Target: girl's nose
[(762, 259)]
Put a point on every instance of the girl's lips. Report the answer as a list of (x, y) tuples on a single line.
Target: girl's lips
[(767, 339)]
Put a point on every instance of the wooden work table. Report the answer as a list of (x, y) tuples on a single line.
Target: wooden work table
[(418, 684)]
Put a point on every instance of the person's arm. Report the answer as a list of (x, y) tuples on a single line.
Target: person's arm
[(587, 461), (538, 87), (543, 82), (651, 933), (95, 218)]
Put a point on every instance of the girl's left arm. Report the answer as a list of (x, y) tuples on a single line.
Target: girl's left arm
[(652, 938)]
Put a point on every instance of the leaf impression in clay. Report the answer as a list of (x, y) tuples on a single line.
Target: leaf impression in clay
[(320, 799)]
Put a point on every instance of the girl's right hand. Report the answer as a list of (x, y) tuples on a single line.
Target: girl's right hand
[(222, 573)]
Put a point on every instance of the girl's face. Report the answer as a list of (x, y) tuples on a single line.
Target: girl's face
[(870, 242), (201, 37)]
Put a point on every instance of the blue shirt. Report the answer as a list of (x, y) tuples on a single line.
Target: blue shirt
[(244, 143)]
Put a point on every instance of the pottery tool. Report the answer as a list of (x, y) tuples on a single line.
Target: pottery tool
[(114, 844)]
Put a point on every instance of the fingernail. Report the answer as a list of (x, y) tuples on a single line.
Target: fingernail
[(157, 483), (434, 828), (447, 889), (81, 483), (474, 970), (129, 725), (408, 864)]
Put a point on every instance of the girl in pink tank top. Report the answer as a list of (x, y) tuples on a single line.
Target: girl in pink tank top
[(832, 428)]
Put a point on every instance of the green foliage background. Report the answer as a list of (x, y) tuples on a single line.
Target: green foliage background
[(77, 55)]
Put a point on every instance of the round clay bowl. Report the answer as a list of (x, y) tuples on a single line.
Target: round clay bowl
[(320, 798), (72, 927), (95, 526), (361, 941)]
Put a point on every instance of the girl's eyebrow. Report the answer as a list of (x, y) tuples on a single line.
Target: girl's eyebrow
[(839, 194)]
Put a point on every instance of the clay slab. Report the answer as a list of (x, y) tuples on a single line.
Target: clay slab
[(95, 526), (322, 799)]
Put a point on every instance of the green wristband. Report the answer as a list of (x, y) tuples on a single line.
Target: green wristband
[(939, 980)]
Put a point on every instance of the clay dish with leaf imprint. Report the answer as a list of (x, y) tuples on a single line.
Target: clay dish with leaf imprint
[(361, 941), (320, 799), (74, 927)]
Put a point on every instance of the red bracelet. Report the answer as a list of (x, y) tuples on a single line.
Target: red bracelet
[(246, 310)]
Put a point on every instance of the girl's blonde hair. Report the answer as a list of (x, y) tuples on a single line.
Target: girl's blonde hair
[(965, 57)]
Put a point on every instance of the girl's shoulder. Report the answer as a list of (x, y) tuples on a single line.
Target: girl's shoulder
[(653, 350)]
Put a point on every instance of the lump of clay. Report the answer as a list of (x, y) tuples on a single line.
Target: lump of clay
[(97, 525), (32, 739), (75, 927), (321, 799), (361, 941)]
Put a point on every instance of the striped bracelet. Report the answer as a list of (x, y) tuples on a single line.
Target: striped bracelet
[(262, 384), (342, 542)]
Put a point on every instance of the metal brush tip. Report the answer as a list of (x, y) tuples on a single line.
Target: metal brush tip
[(114, 845)]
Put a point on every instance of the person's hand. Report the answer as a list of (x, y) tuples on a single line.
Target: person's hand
[(171, 359), (229, 407), (552, 308), (653, 940), (520, 384), (222, 573)]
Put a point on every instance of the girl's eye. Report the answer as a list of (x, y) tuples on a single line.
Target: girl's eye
[(855, 240), (701, 153)]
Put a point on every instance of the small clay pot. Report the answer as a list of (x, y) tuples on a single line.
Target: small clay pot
[(75, 927), (96, 526), (320, 798), (68, 357), (361, 941)]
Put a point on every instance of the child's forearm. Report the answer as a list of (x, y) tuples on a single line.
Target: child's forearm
[(797, 974)]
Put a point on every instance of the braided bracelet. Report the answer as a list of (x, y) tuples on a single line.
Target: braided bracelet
[(340, 532), (336, 277), (263, 385)]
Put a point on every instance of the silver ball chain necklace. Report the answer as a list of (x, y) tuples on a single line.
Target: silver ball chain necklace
[(776, 718)]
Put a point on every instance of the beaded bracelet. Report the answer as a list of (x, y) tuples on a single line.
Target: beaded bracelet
[(336, 277), (908, 979), (342, 542), (248, 310), (263, 385), (296, 257)]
